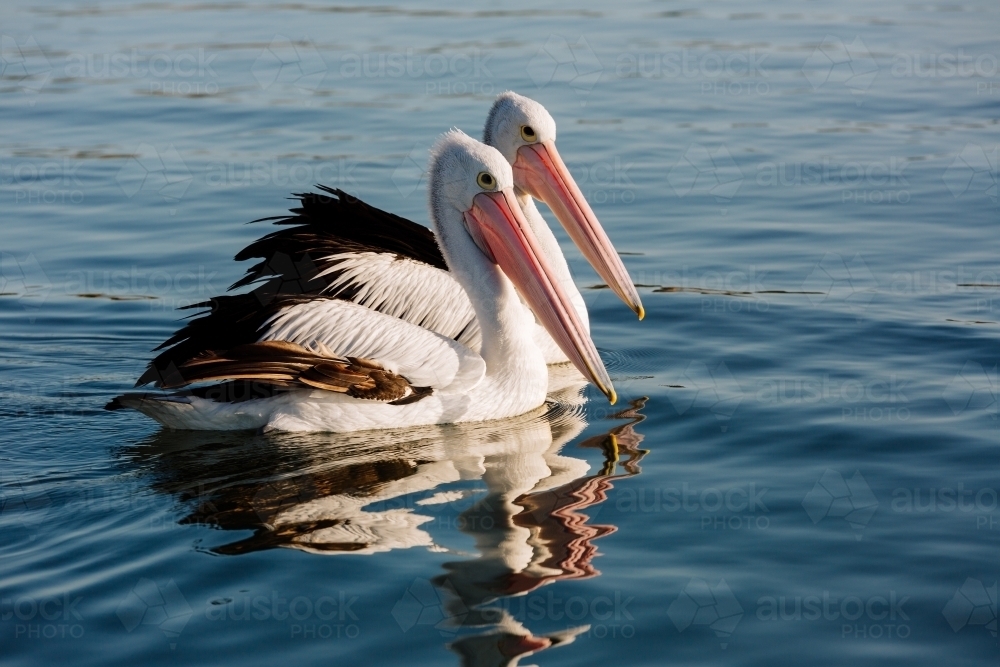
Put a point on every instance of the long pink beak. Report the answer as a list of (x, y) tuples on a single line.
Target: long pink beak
[(540, 171), (498, 227)]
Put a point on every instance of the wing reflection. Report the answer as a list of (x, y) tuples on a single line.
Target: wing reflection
[(521, 499)]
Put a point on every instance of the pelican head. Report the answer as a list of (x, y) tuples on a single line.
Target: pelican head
[(525, 134), (472, 197)]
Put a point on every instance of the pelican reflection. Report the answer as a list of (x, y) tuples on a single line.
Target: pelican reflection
[(512, 486)]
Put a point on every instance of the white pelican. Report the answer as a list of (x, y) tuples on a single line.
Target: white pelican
[(341, 247), (316, 363)]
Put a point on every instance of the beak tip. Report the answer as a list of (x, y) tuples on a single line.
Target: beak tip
[(641, 312), (612, 396)]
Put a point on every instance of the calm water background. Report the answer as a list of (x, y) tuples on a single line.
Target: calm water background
[(808, 195)]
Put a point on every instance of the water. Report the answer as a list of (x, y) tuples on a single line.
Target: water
[(803, 463)]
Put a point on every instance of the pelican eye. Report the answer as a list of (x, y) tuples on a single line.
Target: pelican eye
[(486, 180), (528, 133)]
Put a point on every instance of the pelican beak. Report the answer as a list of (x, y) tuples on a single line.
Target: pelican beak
[(540, 172), (499, 228)]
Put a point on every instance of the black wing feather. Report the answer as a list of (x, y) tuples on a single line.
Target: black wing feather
[(326, 224)]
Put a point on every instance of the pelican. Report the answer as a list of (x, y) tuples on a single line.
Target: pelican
[(309, 362), (337, 246)]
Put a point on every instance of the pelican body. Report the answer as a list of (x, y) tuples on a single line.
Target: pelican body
[(340, 247), (313, 362)]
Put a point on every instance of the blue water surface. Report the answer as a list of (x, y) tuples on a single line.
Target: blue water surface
[(802, 468)]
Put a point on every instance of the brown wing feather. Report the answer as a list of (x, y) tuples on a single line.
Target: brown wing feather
[(289, 365)]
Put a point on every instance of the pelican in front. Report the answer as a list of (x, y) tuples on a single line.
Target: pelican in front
[(309, 362), (335, 245)]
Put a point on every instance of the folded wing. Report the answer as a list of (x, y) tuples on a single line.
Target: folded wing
[(318, 342), (338, 246)]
